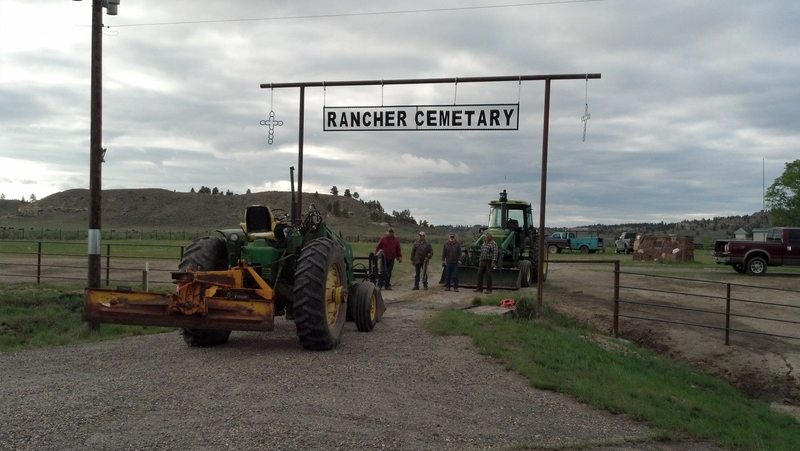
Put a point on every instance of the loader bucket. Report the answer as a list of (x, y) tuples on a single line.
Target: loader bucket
[(502, 278)]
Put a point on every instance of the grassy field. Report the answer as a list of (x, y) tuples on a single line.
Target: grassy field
[(35, 316), (556, 353)]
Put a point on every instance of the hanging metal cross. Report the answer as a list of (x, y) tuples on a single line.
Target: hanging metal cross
[(585, 119), (586, 116), (271, 123)]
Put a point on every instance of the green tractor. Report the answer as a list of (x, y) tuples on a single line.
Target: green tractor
[(241, 278), (511, 225)]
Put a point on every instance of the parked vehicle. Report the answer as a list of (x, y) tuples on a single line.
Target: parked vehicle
[(624, 244), (782, 247), (585, 241), (558, 241), (511, 225)]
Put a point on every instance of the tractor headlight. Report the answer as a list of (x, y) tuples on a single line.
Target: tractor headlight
[(234, 237)]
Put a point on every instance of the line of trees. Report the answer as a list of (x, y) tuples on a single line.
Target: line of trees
[(215, 191)]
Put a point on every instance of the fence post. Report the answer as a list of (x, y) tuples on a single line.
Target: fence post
[(145, 277), (108, 263), (616, 298), (39, 263), (728, 315)]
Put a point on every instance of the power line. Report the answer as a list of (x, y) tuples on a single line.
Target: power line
[(375, 13)]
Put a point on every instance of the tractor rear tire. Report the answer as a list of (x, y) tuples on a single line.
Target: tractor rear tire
[(365, 306), (320, 295), (209, 253), (525, 269)]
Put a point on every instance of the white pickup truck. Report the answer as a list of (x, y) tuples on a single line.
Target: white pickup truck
[(624, 244)]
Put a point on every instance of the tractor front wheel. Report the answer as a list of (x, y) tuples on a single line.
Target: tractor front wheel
[(525, 269), (205, 254), (366, 302), (320, 295)]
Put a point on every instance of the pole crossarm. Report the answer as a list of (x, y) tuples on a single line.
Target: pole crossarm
[(421, 81)]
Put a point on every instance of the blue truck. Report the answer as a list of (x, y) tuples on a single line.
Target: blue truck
[(583, 240)]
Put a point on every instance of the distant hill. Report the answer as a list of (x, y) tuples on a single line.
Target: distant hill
[(168, 210)]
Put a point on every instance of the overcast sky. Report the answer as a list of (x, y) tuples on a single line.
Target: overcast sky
[(695, 99)]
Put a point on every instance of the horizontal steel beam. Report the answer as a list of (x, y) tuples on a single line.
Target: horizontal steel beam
[(422, 81)]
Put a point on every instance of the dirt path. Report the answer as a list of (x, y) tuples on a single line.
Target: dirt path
[(396, 388)]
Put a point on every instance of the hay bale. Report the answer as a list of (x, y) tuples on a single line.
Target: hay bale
[(663, 248)]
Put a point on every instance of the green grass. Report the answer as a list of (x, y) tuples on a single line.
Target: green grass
[(36, 316), (555, 353)]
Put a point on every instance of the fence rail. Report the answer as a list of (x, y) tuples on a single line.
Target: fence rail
[(792, 311), (122, 263)]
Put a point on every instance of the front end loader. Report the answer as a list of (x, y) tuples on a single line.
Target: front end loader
[(511, 225), (241, 278)]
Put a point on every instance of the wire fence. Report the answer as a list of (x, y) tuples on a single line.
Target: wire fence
[(720, 308), (123, 264), (717, 305), (21, 233)]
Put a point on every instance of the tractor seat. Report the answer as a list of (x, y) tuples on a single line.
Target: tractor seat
[(258, 222), (513, 224)]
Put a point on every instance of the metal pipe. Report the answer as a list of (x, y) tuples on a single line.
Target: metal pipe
[(543, 199), (421, 81), (300, 153), (616, 298), (728, 315)]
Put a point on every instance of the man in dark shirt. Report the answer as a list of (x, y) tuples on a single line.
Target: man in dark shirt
[(450, 255), (421, 252)]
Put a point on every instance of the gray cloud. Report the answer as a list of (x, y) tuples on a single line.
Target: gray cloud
[(694, 96)]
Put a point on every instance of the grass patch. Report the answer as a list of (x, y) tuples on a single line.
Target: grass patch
[(556, 353), (37, 316)]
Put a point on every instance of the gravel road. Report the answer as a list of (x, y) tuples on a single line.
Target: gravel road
[(398, 387)]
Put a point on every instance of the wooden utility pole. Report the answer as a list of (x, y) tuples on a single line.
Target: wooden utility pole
[(95, 142)]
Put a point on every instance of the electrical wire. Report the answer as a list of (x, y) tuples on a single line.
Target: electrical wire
[(335, 15)]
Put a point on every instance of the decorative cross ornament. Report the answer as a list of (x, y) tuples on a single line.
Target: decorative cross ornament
[(586, 116), (585, 119), (271, 123)]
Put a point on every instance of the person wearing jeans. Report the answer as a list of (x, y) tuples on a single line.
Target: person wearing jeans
[(488, 261), (450, 255), (421, 253), (390, 246)]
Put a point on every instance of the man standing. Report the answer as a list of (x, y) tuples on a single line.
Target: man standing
[(488, 261), (390, 246), (450, 256), (421, 252)]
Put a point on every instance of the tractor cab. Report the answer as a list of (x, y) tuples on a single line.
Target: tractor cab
[(511, 225)]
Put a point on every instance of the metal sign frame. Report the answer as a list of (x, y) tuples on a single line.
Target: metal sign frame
[(455, 80)]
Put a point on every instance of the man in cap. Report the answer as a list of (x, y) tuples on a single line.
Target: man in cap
[(450, 255), (421, 253), (389, 245)]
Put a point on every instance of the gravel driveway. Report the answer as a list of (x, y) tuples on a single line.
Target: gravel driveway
[(395, 388)]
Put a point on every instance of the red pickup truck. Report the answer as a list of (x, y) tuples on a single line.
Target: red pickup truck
[(782, 247)]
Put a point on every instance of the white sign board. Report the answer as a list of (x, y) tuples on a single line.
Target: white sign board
[(421, 117)]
